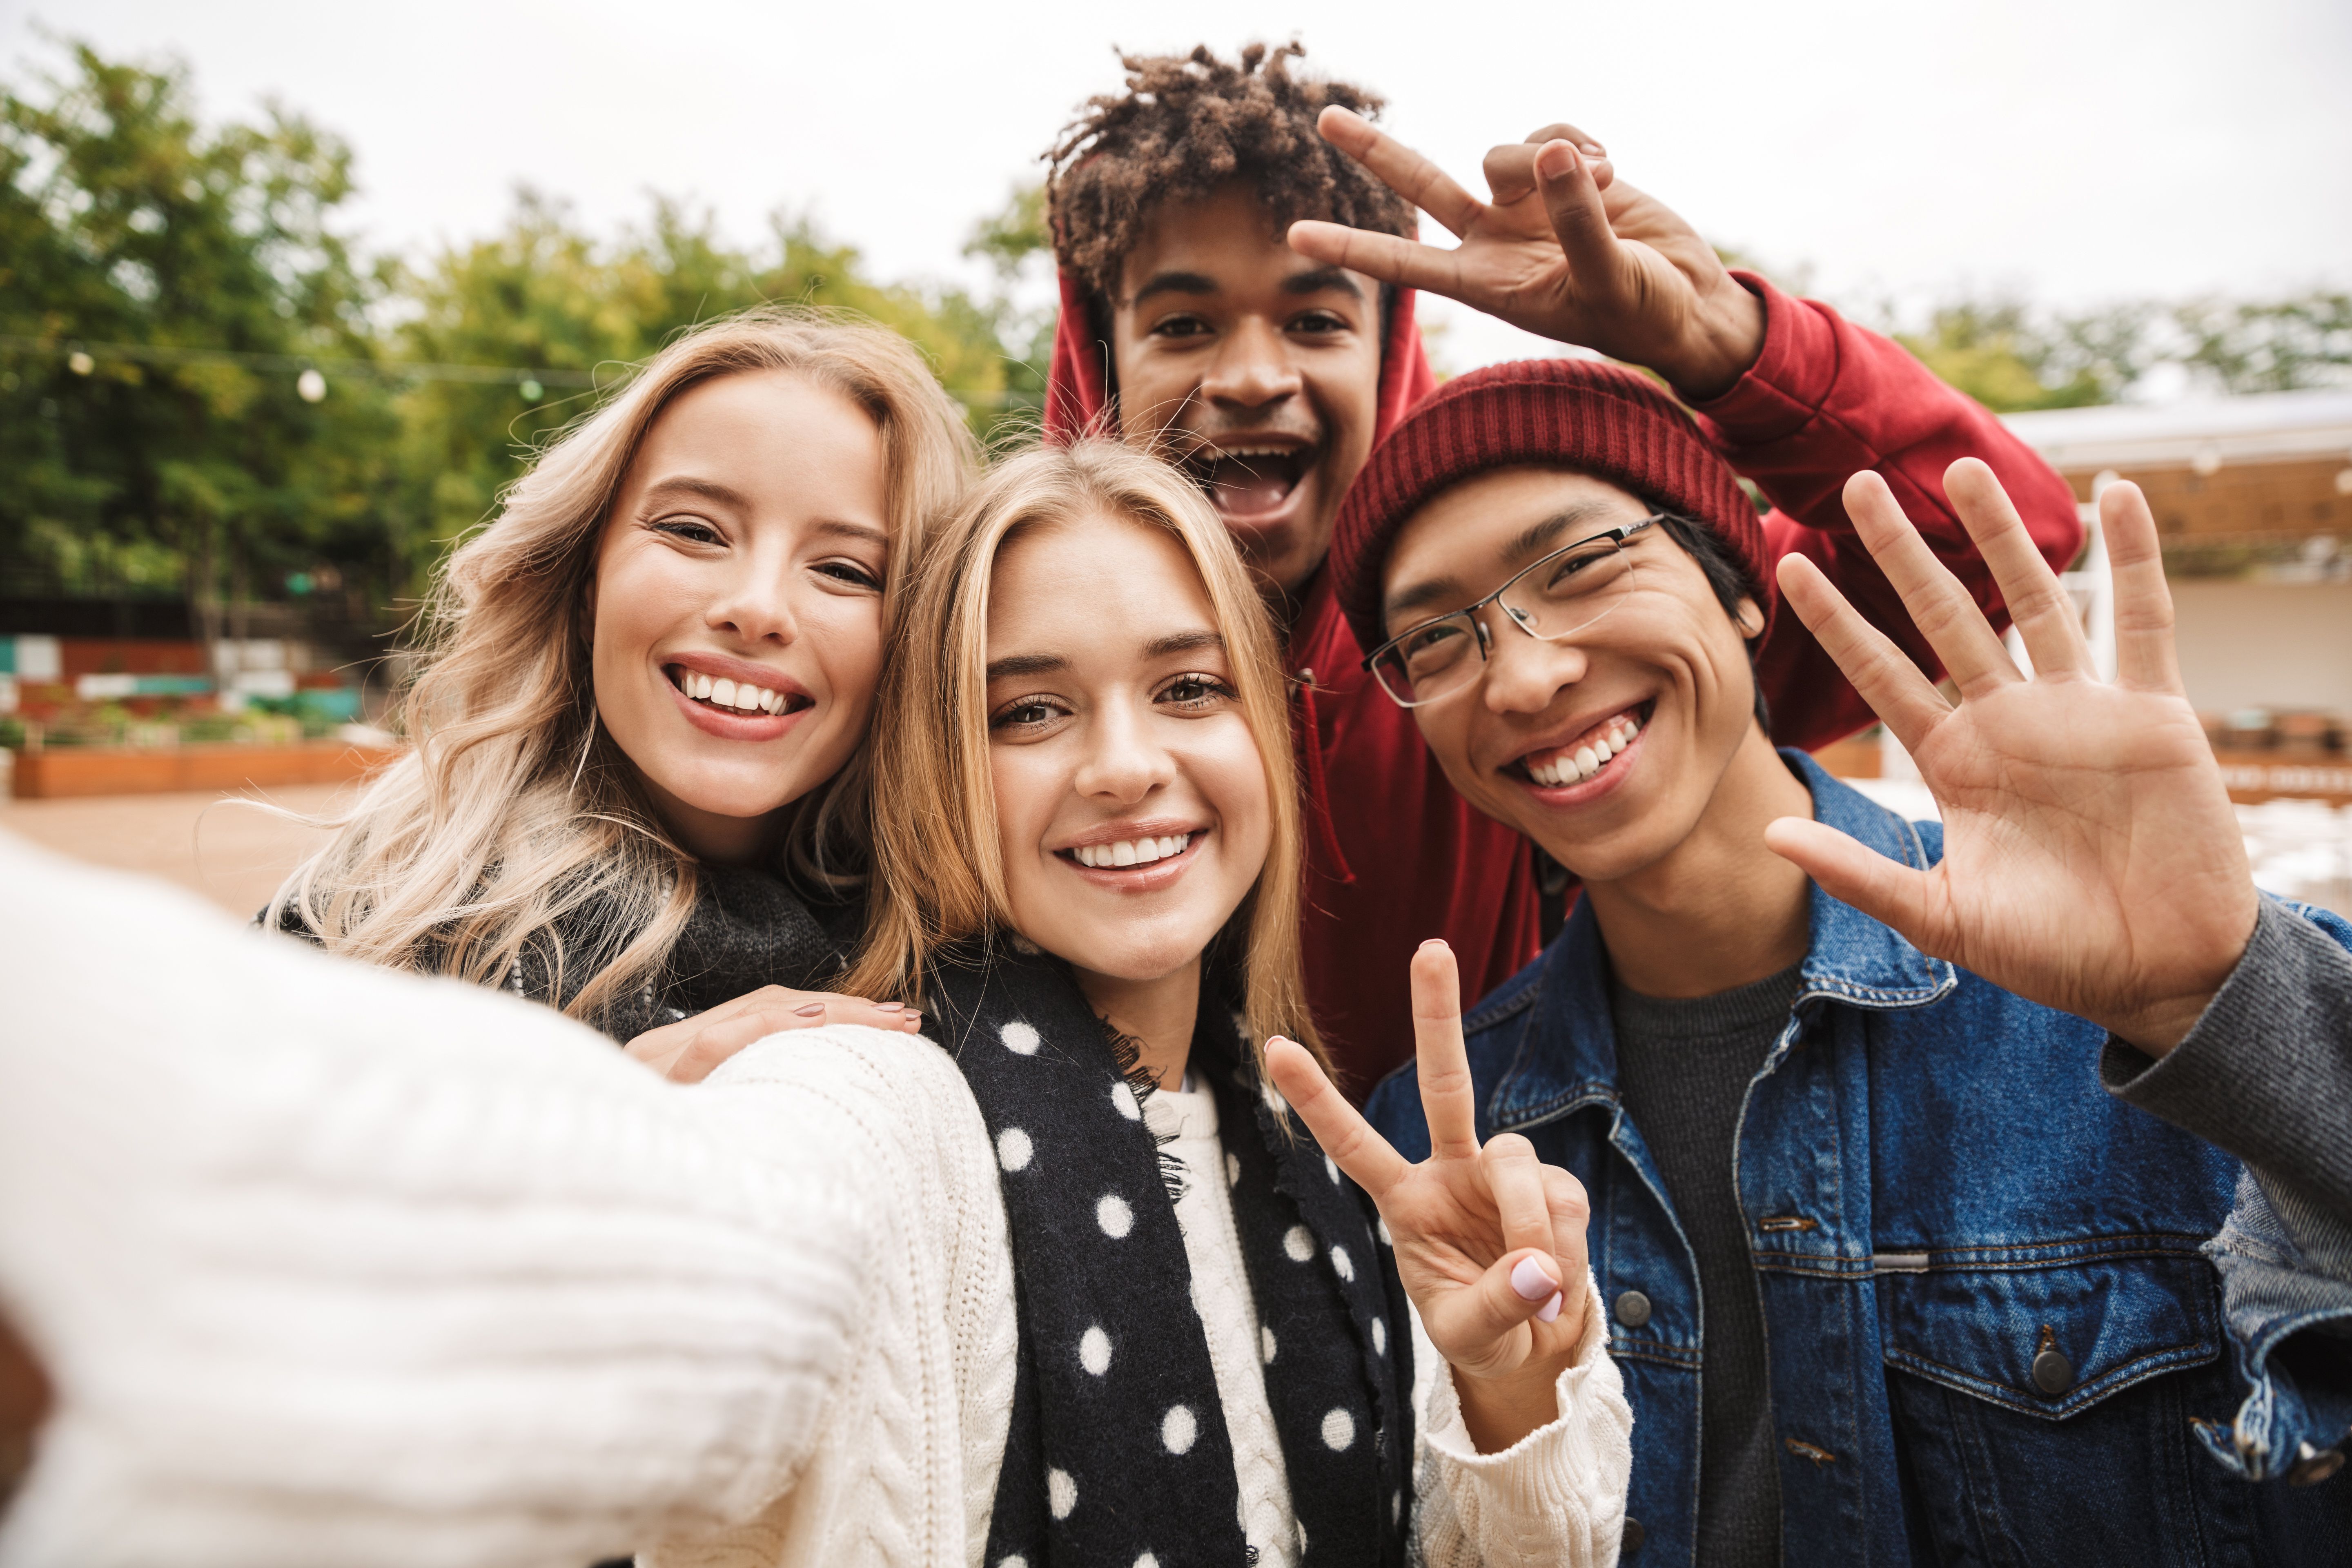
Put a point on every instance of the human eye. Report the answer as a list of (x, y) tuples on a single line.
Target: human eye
[(1195, 693), (1184, 326), (851, 573), (1320, 322), (686, 528), (1025, 716)]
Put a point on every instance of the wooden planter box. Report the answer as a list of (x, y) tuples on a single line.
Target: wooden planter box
[(53, 772)]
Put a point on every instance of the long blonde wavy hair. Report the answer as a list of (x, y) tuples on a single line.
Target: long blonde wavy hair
[(938, 866), (514, 822)]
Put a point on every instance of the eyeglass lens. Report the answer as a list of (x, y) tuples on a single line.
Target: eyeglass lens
[(1556, 597)]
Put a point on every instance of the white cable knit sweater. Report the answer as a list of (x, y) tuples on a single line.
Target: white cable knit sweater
[(334, 1266)]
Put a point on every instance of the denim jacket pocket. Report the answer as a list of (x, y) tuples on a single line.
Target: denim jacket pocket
[(2050, 1329)]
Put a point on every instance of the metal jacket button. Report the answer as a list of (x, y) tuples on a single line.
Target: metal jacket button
[(2053, 1372), (1634, 1536), (1632, 1309)]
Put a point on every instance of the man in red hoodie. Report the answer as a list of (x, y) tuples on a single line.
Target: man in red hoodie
[(1270, 360)]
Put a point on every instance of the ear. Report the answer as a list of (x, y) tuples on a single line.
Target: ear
[(1748, 616)]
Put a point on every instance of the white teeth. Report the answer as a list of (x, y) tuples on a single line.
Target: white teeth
[(698, 686), (722, 692), (748, 697), (1588, 759), (1131, 852)]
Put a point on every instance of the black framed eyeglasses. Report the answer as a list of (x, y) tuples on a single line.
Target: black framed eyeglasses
[(1553, 596)]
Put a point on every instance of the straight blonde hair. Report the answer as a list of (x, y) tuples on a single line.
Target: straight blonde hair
[(939, 864), (515, 823)]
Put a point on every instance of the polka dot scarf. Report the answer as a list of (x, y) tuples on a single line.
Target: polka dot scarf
[(1117, 1456)]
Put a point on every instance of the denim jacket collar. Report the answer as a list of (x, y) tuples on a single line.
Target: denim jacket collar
[(1568, 1053)]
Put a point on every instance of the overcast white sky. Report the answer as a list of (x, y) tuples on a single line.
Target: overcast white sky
[(2075, 150)]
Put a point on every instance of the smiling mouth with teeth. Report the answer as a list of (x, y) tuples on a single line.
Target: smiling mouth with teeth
[(1588, 754), (1245, 481), (735, 697), (1130, 851)]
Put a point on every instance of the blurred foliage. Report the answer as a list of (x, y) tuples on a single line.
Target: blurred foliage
[(2010, 356), (122, 220)]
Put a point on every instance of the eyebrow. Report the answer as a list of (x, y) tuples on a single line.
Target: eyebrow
[(1323, 279), (687, 484), (1527, 544), (1052, 663), (1175, 283), (1181, 642), (853, 530)]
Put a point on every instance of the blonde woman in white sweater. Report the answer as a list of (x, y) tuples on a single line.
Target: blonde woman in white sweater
[(1200, 1341)]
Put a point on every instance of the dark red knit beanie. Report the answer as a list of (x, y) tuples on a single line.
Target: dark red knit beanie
[(1597, 418)]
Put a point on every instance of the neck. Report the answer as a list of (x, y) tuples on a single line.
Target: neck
[(1719, 910), (1157, 1015), (712, 837)]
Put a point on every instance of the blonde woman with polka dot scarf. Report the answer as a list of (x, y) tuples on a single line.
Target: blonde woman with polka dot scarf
[(1189, 1308)]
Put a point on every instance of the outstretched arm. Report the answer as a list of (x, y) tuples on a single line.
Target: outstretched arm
[(1795, 396), (2093, 863)]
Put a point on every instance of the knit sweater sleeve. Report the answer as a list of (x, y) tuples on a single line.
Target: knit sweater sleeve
[(332, 1265), (1555, 1499)]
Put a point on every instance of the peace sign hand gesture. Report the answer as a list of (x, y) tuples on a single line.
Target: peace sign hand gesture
[(2092, 860), (1563, 249), (1489, 1240)]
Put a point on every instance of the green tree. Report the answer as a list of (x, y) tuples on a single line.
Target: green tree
[(124, 222)]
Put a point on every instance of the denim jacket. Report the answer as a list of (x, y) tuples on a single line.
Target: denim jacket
[(1992, 1331)]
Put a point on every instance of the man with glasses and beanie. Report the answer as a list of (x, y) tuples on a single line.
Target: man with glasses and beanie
[(1268, 356), (1893, 1276)]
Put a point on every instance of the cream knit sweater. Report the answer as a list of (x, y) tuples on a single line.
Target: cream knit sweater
[(332, 1266)]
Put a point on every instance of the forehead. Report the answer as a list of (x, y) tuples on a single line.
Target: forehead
[(1098, 581), (1480, 519), (768, 429), (1227, 237)]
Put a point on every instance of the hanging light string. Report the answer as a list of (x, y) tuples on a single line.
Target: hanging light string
[(311, 371)]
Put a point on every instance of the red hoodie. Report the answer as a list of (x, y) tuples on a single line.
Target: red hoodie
[(1394, 857)]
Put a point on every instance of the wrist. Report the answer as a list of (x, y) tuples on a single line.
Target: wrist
[(1724, 340), (1500, 1411)]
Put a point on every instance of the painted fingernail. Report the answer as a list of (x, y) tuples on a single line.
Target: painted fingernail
[(1528, 1279), (1433, 941), (814, 1010), (1551, 1309), (890, 1006), (1594, 149)]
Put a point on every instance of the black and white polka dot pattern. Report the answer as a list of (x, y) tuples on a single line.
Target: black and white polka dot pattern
[(1118, 1451)]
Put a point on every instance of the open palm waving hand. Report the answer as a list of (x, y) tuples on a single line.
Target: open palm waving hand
[(2092, 861)]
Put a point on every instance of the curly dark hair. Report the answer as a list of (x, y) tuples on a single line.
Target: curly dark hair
[(1188, 124)]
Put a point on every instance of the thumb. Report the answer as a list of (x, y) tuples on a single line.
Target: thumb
[(1894, 895), (1520, 1287), (1580, 219)]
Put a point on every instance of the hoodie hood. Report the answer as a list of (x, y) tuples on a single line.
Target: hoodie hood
[(1078, 382)]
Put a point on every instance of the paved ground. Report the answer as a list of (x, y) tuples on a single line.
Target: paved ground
[(233, 854)]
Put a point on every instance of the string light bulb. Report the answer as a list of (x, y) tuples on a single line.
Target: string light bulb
[(311, 385)]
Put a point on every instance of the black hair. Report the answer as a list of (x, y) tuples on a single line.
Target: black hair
[(1729, 580)]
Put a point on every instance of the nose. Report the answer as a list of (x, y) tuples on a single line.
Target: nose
[(1253, 368), (1121, 766), (756, 605), (1523, 674)]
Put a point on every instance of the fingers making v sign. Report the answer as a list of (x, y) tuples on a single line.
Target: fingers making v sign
[(1489, 1240), (1562, 248), (2092, 860)]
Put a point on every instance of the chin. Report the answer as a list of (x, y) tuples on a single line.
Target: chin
[(1133, 961)]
